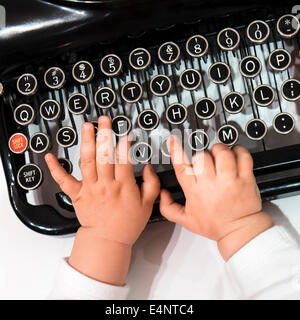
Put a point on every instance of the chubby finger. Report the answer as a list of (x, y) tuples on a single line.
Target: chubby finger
[(105, 150), (151, 186), (123, 166), (181, 164), (225, 161), (244, 161), (203, 165), (170, 209), (88, 153), (68, 184)]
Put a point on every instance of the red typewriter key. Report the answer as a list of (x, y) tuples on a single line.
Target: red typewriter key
[(18, 143)]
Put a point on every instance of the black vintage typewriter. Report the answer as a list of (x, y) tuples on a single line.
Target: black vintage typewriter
[(227, 72)]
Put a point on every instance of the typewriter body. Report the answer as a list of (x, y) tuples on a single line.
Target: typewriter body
[(219, 70)]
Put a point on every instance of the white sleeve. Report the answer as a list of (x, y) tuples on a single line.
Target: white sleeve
[(73, 285), (268, 267)]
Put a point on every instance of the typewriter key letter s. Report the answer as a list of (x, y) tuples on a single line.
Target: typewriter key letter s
[(66, 137)]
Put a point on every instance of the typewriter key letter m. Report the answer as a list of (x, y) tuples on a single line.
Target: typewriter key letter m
[(2, 17)]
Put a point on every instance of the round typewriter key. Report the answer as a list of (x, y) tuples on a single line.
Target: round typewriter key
[(176, 113), (197, 46), (160, 85), (39, 142), (24, 114), (142, 152), (256, 129), (121, 125), (228, 39), (77, 103), (54, 78), (111, 65), (219, 72), (190, 79), (18, 143), (228, 134), (148, 119), (140, 59), (283, 123), (233, 102), (263, 95), (50, 110), (205, 108), (258, 31), (66, 164), (198, 140), (250, 67), (66, 137), (290, 90), (288, 26), (105, 98), (83, 71), (279, 59), (164, 148), (131, 92), (169, 52), (27, 84), (30, 176)]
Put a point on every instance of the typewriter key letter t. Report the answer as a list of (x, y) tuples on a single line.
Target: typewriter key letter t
[(111, 208)]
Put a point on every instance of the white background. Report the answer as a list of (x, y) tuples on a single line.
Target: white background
[(168, 262)]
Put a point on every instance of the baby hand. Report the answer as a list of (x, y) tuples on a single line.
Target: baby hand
[(111, 208), (222, 199)]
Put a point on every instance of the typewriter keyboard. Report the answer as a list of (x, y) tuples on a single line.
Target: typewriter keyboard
[(239, 85)]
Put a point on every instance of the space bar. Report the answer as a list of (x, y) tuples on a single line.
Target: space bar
[(265, 162), (276, 159)]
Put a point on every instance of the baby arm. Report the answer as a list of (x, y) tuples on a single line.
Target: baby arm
[(111, 208)]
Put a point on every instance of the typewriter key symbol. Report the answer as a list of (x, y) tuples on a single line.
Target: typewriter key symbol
[(112, 67), (169, 51), (82, 69), (229, 41), (258, 33), (55, 78)]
